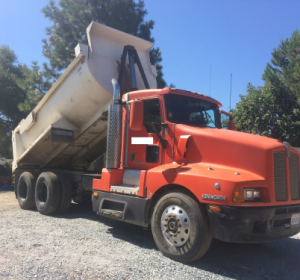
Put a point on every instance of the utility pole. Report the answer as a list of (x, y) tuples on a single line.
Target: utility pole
[(230, 91), (210, 80)]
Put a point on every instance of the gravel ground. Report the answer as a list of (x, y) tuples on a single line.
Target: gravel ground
[(82, 245)]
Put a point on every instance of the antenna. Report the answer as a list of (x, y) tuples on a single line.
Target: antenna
[(230, 91), (210, 80)]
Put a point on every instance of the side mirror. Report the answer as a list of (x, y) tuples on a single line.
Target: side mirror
[(136, 120), (227, 121)]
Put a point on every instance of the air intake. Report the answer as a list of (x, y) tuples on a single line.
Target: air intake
[(280, 184), (294, 176)]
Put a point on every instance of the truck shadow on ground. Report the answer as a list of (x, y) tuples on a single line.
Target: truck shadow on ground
[(275, 260)]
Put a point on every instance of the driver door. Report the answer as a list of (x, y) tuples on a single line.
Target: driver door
[(144, 148)]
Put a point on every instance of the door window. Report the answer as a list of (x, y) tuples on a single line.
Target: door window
[(152, 114), (225, 121)]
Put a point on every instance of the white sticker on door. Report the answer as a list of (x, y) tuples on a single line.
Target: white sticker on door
[(141, 140)]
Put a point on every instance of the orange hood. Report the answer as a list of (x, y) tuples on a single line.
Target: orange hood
[(229, 148)]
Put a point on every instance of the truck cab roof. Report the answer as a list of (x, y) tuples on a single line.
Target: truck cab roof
[(154, 92)]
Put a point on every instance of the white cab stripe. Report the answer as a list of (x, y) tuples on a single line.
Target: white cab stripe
[(141, 140)]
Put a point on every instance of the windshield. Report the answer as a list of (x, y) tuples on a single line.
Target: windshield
[(191, 111)]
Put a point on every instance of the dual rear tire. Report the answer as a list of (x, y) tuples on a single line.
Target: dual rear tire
[(25, 190), (50, 193), (47, 193)]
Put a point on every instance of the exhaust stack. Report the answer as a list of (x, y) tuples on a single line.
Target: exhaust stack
[(114, 129)]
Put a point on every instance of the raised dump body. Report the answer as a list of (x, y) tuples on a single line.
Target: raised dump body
[(68, 128)]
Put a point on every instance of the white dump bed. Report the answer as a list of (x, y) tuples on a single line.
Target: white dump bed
[(78, 102)]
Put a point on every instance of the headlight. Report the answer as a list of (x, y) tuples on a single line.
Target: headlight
[(242, 195), (251, 194)]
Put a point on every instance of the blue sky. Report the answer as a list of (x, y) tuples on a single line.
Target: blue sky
[(231, 36)]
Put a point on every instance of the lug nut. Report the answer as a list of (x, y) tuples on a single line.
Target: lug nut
[(179, 225), (178, 220), (178, 231), (165, 225), (170, 234), (166, 219), (169, 215), (175, 235)]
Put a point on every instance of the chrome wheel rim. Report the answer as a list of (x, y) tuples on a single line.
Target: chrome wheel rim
[(175, 225)]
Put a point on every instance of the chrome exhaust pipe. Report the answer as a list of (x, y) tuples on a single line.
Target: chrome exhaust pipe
[(114, 129), (117, 91)]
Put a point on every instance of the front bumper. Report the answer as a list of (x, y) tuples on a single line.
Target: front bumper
[(253, 225)]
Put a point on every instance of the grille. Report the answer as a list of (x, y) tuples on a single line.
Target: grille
[(294, 176), (280, 176)]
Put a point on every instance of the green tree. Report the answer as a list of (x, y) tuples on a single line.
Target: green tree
[(21, 88), (284, 69), (273, 109), (71, 18), (8, 167), (11, 94), (35, 84), (268, 111)]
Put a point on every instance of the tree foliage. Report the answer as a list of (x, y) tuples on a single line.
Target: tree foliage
[(71, 18), (21, 88), (11, 94), (273, 110), (267, 111), (284, 69), (35, 84)]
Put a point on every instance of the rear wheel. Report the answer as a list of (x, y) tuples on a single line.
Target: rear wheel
[(25, 190), (47, 193), (180, 227)]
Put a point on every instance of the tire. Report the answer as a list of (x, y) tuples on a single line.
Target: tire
[(180, 227), (25, 191), (66, 192), (47, 193)]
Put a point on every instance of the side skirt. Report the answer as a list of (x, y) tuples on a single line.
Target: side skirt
[(127, 208)]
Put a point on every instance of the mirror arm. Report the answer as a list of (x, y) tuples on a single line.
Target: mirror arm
[(162, 141)]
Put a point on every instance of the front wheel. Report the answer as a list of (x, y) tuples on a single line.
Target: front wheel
[(180, 227)]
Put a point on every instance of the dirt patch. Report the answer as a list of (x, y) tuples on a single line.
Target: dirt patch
[(8, 201), (8, 197)]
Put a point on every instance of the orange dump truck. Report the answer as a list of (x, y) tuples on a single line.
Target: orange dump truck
[(173, 161)]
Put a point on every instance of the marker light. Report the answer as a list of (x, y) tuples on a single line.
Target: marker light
[(238, 195), (214, 208)]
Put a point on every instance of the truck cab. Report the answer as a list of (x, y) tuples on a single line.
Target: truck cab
[(175, 146)]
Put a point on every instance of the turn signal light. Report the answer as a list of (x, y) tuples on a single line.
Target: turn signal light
[(96, 194), (214, 208), (238, 195)]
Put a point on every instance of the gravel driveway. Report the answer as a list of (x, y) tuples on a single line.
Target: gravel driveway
[(82, 245)]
